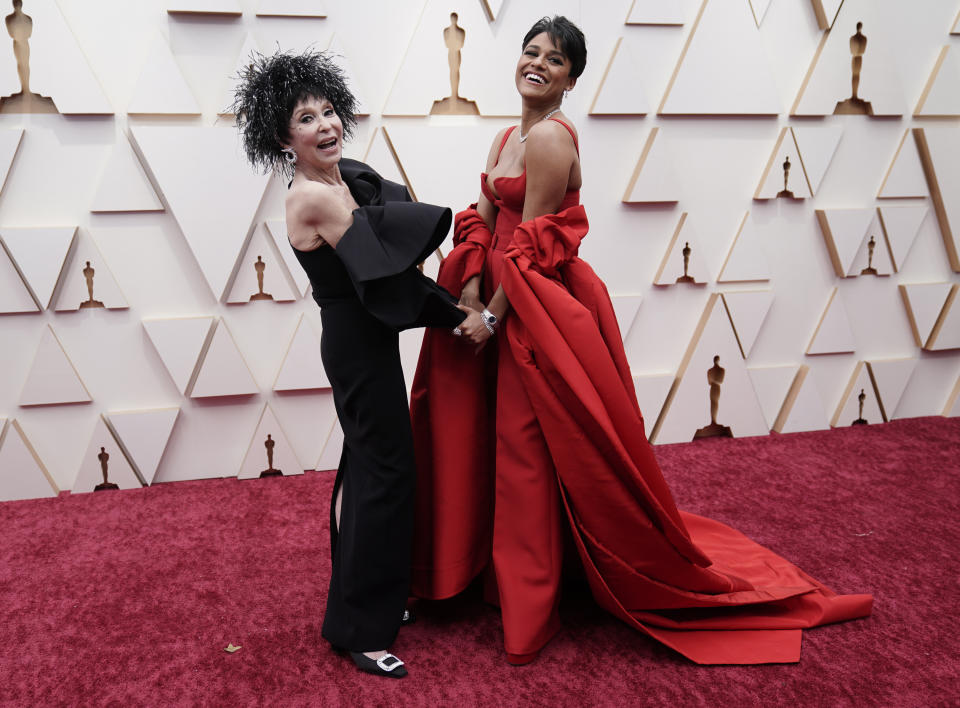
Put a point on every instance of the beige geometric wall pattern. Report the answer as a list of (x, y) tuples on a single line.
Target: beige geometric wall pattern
[(735, 80), (654, 12), (939, 149), (681, 100), (829, 80), (904, 177), (22, 472)]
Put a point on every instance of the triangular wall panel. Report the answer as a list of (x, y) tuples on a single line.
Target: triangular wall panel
[(15, 296), (381, 153), (845, 231), (946, 331), (952, 407), (826, 12), (803, 408), (493, 8), (161, 87), (179, 342), (817, 144), (939, 148), (654, 178), (261, 256), (204, 7), (784, 171), (900, 226), (829, 79), (848, 410), (890, 378), (759, 9), (652, 390), (621, 89), (52, 378), (625, 307), (223, 372), (672, 266), (332, 449), (74, 292), (210, 188), (747, 310), (277, 229), (723, 69), (22, 473), (746, 260), (39, 255), (833, 334), (291, 8), (925, 303), (302, 369), (103, 451), (124, 186), (143, 435), (655, 12), (58, 67), (243, 60), (687, 407), (941, 95), (269, 450), (9, 144), (342, 59), (772, 384), (904, 178)]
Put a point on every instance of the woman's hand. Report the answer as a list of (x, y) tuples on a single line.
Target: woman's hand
[(470, 295), (473, 328)]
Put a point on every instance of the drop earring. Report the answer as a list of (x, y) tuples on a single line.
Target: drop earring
[(290, 156)]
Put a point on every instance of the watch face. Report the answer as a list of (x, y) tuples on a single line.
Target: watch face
[(490, 317)]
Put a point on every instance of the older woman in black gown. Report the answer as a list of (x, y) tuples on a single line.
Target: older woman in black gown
[(359, 238)]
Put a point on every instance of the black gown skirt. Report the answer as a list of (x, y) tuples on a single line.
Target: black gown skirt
[(368, 290)]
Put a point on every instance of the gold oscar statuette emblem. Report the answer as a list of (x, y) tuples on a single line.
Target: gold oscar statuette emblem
[(260, 266), (715, 376), (686, 264), (860, 419), (88, 273), (269, 443), (786, 193), (855, 105), (103, 457), (870, 270), (454, 104), (20, 28)]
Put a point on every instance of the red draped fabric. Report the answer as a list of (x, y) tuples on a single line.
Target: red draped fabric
[(694, 584)]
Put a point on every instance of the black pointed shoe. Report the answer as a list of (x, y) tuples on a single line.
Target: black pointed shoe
[(387, 665)]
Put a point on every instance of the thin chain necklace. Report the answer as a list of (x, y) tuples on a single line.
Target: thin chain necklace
[(523, 138)]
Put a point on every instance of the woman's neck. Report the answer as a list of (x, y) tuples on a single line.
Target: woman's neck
[(329, 176), (531, 115)]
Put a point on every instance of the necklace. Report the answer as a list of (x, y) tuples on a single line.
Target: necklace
[(523, 138)]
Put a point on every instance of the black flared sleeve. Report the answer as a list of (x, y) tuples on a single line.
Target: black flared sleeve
[(381, 250)]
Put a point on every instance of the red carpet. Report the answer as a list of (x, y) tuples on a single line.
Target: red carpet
[(129, 598)]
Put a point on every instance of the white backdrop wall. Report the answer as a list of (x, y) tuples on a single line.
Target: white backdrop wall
[(150, 177)]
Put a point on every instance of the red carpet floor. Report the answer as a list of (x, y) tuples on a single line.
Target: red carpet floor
[(129, 598)]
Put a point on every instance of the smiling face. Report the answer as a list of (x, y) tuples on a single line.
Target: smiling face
[(315, 133), (543, 71)]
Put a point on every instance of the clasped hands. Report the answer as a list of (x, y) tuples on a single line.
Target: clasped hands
[(473, 327)]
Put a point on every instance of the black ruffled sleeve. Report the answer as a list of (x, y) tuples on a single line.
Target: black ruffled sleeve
[(381, 251)]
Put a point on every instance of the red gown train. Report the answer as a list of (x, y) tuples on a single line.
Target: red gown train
[(562, 440)]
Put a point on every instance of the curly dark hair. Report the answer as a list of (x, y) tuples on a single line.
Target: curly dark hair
[(568, 38), (270, 87)]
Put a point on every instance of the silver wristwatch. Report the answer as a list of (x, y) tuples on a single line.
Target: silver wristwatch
[(490, 321)]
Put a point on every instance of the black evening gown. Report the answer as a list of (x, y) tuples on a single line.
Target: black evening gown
[(369, 289)]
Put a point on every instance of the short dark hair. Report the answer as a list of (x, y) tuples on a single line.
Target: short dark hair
[(568, 38), (268, 90)]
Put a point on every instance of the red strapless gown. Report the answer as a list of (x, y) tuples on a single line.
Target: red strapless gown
[(570, 447)]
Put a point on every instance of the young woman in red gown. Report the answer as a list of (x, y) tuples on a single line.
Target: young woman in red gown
[(559, 438)]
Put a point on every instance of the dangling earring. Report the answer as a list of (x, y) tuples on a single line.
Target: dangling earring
[(290, 156), (565, 92)]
